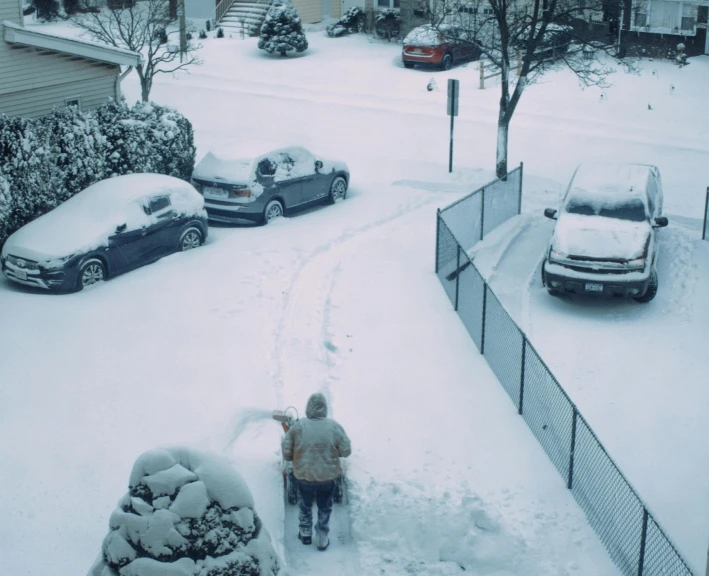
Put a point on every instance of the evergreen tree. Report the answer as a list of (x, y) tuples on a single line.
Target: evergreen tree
[(282, 31)]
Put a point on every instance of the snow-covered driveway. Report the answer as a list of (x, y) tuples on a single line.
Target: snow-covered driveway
[(342, 298)]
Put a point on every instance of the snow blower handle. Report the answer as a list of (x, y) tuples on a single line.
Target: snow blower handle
[(285, 419)]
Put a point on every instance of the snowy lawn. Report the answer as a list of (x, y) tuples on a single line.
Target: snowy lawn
[(343, 299)]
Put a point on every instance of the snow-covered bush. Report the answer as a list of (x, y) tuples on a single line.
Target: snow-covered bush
[(387, 23), (282, 31), (77, 148), (5, 208), (220, 32), (352, 21), (681, 57), (146, 138), (185, 513), (202, 34), (28, 166)]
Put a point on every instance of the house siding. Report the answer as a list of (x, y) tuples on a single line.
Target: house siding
[(10, 10), (33, 103), (310, 11)]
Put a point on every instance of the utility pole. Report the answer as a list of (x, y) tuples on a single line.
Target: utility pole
[(183, 29)]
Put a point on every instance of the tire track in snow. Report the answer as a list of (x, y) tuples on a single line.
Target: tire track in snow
[(676, 263)]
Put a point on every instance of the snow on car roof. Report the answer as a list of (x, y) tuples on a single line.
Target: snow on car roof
[(86, 220), (609, 182), (425, 35), (223, 167)]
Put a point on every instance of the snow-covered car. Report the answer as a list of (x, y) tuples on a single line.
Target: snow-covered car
[(605, 240), (110, 227), (440, 46), (268, 186)]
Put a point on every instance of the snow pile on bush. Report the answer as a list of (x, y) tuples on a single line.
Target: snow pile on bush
[(186, 513), (352, 21), (282, 31)]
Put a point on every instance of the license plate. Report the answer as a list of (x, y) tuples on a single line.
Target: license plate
[(21, 274), (211, 192), (590, 287), (417, 50)]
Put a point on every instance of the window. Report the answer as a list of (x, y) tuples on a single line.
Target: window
[(266, 167), (640, 19), (158, 203), (651, 194), (702, 14), (388, 3), (73, 102), (688, 17)]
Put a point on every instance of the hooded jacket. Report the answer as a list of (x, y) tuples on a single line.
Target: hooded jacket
[(316, 444)]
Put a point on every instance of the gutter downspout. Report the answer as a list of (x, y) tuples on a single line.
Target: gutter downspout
[(120, 77), (22, 16)]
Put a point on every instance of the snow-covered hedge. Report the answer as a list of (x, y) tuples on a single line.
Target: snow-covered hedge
[(282, 31), (186, 513), (352, 21), (47, 160)]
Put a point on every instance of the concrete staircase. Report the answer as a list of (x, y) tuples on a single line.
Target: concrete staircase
[(247, 13)]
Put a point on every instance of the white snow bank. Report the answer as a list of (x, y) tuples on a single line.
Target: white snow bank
[(88, 219)]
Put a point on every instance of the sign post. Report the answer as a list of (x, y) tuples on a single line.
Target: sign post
[(453, 90)]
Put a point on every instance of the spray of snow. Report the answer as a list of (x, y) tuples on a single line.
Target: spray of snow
[(242, 420)]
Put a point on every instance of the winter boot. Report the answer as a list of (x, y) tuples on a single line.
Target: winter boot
[(305, 539), (321, 540)]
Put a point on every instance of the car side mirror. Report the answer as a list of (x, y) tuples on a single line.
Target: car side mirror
[(550, 213), (120, 228), (318, 165), (661, 222)]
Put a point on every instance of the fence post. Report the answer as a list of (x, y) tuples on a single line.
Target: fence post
[(643, 541), (438, 234), (482, 335), (706, 214), (482, 213), (570, 480), (519, 194), (482, 75), (522, 372), (457, 276)]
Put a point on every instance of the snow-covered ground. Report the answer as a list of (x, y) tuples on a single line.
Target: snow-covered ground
[(343, 299)]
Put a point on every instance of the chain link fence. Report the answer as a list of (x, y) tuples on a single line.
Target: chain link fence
[(633, 538)]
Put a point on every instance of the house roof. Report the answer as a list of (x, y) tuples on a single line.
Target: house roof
[(17, 34)]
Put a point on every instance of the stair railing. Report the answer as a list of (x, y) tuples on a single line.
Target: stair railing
[(224, 5)]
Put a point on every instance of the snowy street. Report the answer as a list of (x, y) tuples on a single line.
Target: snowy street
[(199, 347)]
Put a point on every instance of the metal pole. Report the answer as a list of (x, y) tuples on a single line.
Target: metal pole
[(457, 277), (438, 234), (521, 177), (570, 480), (482, 75), (706, 215), (482, 213), (521, 373), (482, 336), (643, 541), (450, 151)]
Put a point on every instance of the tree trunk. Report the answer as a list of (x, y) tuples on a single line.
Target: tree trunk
[(503, 129), (145, 84)]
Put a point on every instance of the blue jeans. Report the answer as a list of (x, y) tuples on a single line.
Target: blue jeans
[(321, 493)]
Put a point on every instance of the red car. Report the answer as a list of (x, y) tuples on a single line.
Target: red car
[(442, 46)]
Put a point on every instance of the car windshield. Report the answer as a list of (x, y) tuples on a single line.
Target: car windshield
[(632, 210)]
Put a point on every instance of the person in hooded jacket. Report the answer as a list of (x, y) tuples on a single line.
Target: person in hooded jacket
[(315, 445)]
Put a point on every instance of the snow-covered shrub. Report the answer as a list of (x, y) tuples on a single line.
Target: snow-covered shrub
[(71, 7), (202, 34), (77, 148), (28, 166), (46, 9), (352, 21), (208, 25), (185, 513), (220, 32), (681, 57), (282, 31), (146, 138), (5, 208), (387, 23)]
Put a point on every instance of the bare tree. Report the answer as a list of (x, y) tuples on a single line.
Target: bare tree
[(532, 35), (142, 27)]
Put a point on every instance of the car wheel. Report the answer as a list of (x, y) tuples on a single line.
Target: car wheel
[(447, 62), (338, 190), (191, 238), (408, 64), (273, 210), (91, 272), (651, 291)]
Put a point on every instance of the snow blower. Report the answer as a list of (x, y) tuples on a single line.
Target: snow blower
[(290, 483)]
